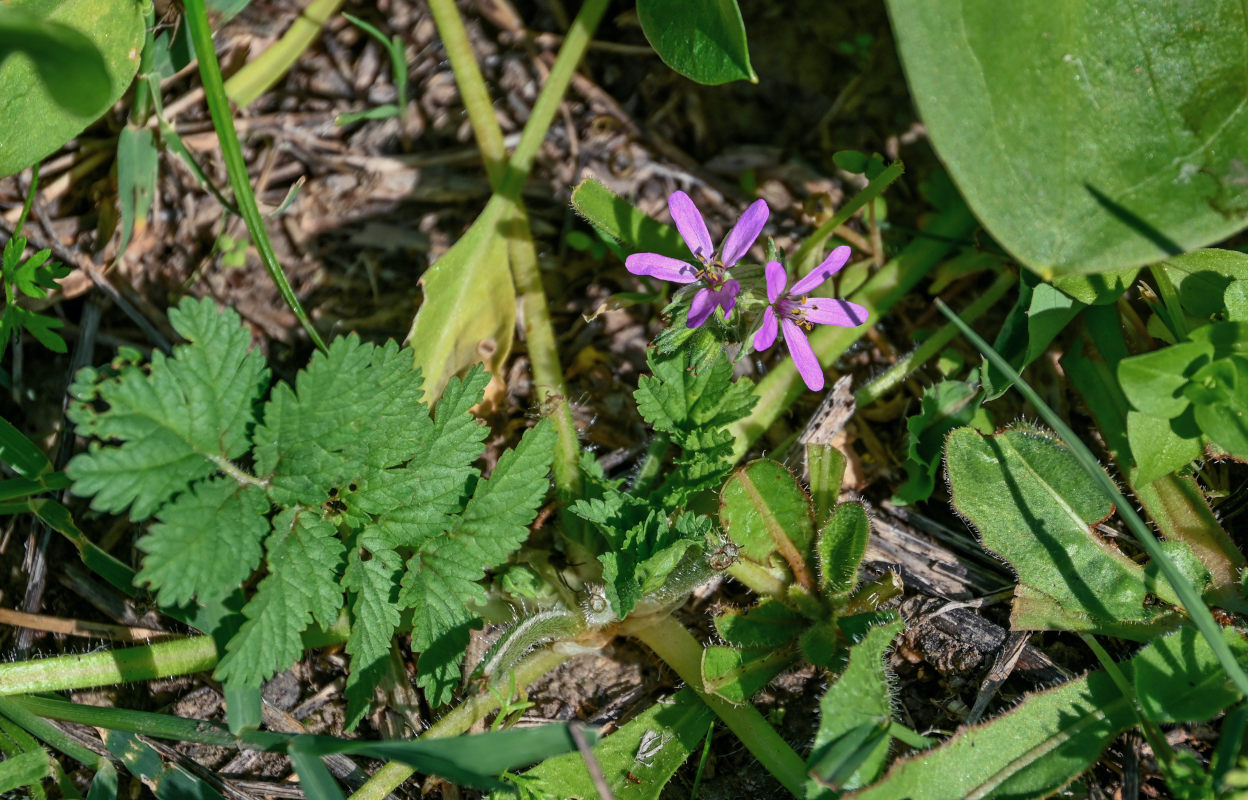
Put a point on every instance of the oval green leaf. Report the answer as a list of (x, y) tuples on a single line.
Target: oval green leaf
[(1086, 136), (764, 511), (704, 40), (63, 63)]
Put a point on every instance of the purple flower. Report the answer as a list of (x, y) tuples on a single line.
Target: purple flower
[(797, 313), (711, 268)]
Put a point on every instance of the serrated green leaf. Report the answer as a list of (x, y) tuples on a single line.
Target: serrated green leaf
[(1027, 496), (862, 695), (178, 422), (206, 542), (354, 409), (441, 578), (374, 619), (303, 556)]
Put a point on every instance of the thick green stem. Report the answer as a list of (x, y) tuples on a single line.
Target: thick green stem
[(459, 720), (232, 153), (48, 733), (933, 344), (675, 645), (507, 179), (783, 385), (130, 664), (261, 74)]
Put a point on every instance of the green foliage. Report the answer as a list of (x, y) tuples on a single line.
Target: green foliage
[(1025, 493), (398, 65), (63, 63), (137, 163), (356, 490), (704, 40), (862, 696), (944, 406), (620, 220), (637, 760), (33, 277), (1039, 314), (1194, 388), (1046, 741), (1082, 143)]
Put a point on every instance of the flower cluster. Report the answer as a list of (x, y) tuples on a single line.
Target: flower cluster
[(793, 311)]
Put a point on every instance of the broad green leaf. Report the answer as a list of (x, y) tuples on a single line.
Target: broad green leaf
[(1046, 741), (861, 695), (23, 769), (1100, 289), (136, 179), (63, 63), (770, 624), (943, 407), (469, 309), (704, 40), (736, 674), (177, 420), (840, 547), (1178, 679), (1087, 136), (1203, 277), (1157, 447), (1153, 382), (764, 511), (1219, 394), (1037, 317), (1029, 500), (620, 219), (1227, 338), (637, 761)]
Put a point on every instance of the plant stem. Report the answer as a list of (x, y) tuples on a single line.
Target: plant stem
[(130, 664), (676, 646), (783, 385), (461, 718), (651, 463), (804, 260), (507, 179), (262, 73), (232, 153), (933, 344), (48, 733)]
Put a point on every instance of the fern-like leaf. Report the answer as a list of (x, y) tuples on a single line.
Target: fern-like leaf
[(303, 555), (178, 424)]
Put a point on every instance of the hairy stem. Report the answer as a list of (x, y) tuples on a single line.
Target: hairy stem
[(130, 664), (461, 718), (675, 645)]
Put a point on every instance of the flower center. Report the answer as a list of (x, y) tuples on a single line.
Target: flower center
[(712, 271), (795, 309)]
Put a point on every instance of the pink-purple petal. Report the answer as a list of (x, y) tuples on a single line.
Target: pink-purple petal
[(765, 336), (741, 237), (700, 309), (830, 266), (726, 297), (661, 267), (690, 224), (803, 355), (776, 279), (829, 311)]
